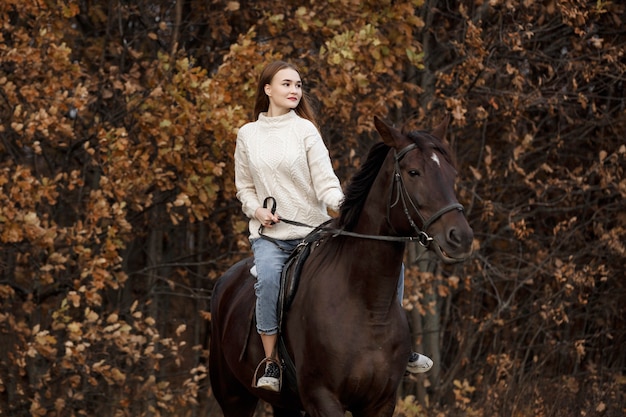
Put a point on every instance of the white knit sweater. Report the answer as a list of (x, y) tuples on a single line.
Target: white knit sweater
[(285, 157)]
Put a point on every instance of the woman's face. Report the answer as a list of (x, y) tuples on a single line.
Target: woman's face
[(284, 92)]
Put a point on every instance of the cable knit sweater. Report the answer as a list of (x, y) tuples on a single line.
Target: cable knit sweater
[(285, 157)]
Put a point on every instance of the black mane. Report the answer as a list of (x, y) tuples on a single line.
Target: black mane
[(359, 186)]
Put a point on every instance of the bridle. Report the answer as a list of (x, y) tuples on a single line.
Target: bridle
[(397, 183)]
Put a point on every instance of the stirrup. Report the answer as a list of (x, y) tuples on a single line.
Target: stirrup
[(255, 377)]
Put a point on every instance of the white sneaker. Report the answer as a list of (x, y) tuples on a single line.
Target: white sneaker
[(270, 379), (418, 363)]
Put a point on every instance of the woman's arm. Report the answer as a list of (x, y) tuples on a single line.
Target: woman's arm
[(325, 182)]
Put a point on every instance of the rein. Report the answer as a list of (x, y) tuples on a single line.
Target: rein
[(423, 238), (401, 195)]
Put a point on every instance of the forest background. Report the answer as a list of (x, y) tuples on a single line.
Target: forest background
[(118, 212)]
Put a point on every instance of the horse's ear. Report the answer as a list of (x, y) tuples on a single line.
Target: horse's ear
[(440, 130), (391, 136)]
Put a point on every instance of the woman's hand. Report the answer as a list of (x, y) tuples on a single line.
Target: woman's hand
[(265, 216)]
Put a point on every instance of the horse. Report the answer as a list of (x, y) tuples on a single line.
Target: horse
[(346, 333)]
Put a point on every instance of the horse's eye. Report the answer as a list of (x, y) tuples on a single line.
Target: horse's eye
[(414, 173)]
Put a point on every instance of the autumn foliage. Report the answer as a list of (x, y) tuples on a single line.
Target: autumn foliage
[(117, 128)]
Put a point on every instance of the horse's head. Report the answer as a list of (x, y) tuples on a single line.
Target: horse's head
[(422, 198)]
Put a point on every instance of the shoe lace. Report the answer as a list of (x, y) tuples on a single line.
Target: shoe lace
[(272, 371)]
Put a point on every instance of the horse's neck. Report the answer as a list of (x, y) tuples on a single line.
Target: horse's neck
[(379, 261), (373, 273)]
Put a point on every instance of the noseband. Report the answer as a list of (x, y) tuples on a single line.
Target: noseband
[(403, 196)]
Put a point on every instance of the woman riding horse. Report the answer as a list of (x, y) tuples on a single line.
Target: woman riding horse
[(282, 155), (345, 332)]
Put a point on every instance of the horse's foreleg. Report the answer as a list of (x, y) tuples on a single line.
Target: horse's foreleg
[(384, 410), (322, 404), (281, 412)]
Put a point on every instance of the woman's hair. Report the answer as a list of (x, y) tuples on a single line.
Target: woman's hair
[(262, 101)]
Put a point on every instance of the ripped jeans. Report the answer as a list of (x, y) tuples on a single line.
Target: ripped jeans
[(269, 261)]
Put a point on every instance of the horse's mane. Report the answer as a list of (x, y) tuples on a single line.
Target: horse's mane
[(360, 184)]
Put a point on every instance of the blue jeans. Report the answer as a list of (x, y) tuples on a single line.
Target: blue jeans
[(400, 289), (269, 261)]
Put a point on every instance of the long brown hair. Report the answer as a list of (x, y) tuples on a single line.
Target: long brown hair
[(262, 101)]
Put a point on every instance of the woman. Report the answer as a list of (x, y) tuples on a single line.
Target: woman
[(282, 155)]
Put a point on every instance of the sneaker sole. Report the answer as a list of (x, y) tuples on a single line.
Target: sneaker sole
[(268, 385), (416, 369)]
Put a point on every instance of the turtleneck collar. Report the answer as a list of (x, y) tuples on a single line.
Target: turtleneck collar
[(263, 117)]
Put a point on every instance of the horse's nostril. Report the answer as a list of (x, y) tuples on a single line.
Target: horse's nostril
[(453, 237)]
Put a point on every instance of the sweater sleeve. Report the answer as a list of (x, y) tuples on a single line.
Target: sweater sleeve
[(246, 191), (325, 183)]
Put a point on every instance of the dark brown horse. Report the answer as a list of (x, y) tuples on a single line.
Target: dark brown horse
[(346, 332)]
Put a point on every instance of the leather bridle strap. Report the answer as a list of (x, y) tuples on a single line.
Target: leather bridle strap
[(402, 195), (437, 215)]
